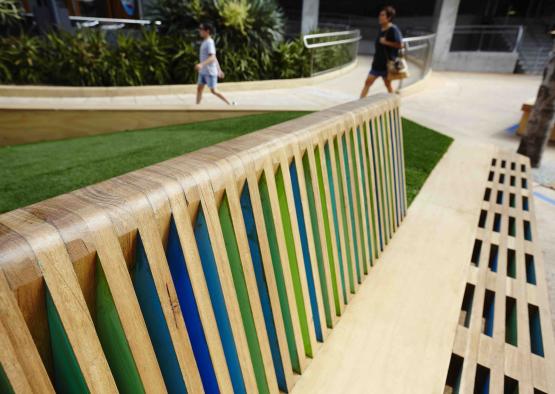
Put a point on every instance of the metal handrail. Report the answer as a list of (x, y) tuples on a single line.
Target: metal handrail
[(142, 22), (356, 37), (419, 38), (416, 43), (73, 18), (493, 29), (486, 27), (307, 37)]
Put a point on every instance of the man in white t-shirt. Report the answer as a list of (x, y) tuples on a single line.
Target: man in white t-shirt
[(208, 69)]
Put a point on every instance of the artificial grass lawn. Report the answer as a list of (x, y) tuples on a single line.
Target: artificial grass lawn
[(423, 149), (34, 172)]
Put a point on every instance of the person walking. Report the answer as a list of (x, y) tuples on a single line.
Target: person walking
[(208, 68), (387, 44)]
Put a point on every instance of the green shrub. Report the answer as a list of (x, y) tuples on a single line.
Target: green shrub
[(21, 60), (184, 55), (89, 59), (9, 12), (83, 59), (123, 70), (291, 60), (256, 25)]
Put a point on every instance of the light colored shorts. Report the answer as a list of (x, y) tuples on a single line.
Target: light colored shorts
[(210, 80)]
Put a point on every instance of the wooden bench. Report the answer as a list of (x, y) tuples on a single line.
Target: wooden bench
[(268, 263), (224, 269)]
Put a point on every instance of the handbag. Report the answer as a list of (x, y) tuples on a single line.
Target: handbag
[(398, 68)]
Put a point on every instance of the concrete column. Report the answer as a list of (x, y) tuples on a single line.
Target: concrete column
[(311, 9), (445, 18)]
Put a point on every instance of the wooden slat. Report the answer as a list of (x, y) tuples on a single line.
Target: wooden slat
[(19, 357)]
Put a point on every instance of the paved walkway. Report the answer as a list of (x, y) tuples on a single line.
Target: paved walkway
[(482, 108), (314, 97)]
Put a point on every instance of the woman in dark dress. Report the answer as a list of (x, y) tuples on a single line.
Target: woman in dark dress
[(388, 42)]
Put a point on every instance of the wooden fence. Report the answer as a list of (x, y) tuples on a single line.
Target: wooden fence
[(220, 270)]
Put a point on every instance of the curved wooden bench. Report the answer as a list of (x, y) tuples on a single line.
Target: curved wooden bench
[(223, 269)]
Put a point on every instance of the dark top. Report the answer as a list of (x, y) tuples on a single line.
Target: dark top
[(384, 53)]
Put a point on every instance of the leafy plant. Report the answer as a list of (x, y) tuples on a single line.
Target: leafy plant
[(83, 59), (184, 57), (291, 60), (123, 70), (20, 60), (234, 14), (152, 52), (258, 24), (10, 13)]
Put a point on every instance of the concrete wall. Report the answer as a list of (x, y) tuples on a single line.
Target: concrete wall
[(311, 10), (446, 19), (500, 62)]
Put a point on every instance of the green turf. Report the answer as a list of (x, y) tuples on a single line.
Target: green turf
[(34, 172), (424, 147)]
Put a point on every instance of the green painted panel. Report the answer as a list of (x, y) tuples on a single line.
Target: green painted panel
[(5, 386), (391, 176), (371, 181), (68, 377), (293, 263), (317, 239), (242, 296), (385, 159), (278, 273), (361, 206), (379, 161), (344, 216), (327, 230), (349, 184), (113, 339)]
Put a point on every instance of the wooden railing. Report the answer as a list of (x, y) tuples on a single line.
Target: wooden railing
[(218, 270)]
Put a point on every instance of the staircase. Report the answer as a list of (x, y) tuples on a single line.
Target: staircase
[(534, 49)]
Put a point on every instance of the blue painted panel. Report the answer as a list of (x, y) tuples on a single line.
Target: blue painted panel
[(189, 309), (306, 254), (218, 302), (256, 256), (489, 309), (143, 282), (536, 341)]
